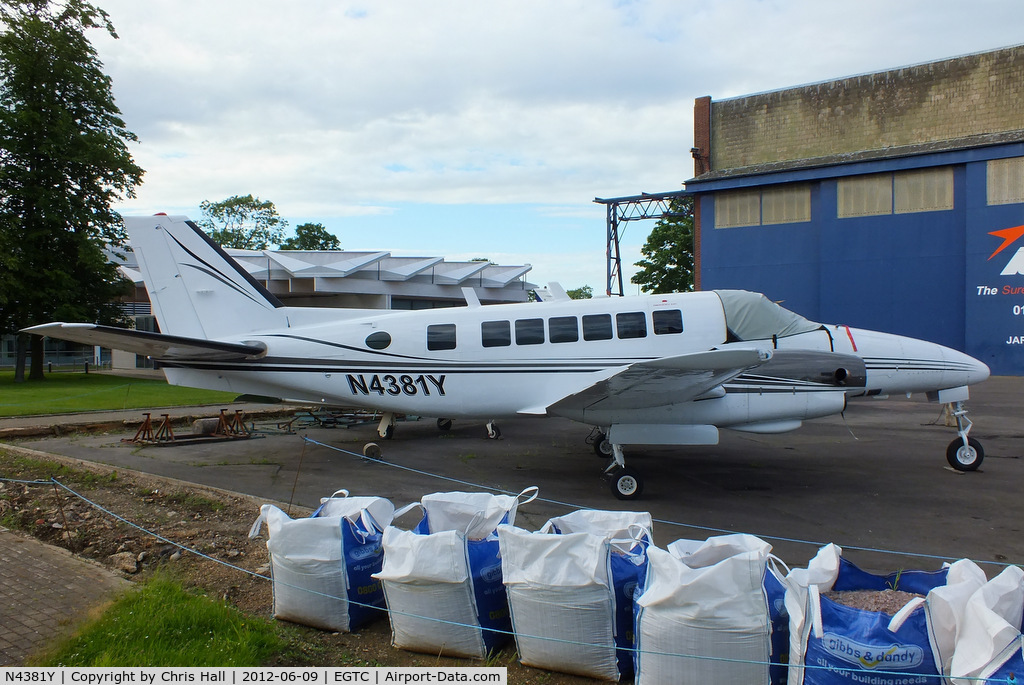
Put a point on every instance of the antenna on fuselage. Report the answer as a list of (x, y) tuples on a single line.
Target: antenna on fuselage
[(472, 300)]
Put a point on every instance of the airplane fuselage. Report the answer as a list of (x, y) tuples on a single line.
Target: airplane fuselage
[(506, 360)]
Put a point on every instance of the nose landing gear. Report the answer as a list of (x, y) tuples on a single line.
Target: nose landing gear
[(964, 453)]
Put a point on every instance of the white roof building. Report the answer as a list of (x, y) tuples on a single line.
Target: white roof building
[(370, 280)]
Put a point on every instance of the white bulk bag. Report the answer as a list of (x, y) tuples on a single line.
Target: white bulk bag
[(945, 607), (373, 511), (611, 525), (321, 567), (628, 533), (561, 600), (442, 579), (426, 580), (703, 615), (990, 635)]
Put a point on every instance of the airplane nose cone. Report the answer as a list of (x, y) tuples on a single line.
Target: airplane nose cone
[(965, 369), (977, 372)]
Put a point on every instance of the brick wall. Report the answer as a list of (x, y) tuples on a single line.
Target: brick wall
[(955, 98)]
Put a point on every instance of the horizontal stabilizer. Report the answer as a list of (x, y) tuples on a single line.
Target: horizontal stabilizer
[(156, 345)]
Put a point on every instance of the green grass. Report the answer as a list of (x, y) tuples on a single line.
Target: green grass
[(160, 623), (18, 466), (63, 393)]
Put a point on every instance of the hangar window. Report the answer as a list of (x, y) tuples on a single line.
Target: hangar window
[(786, 204), (1005, 181), (496, 333), (562, 329), (378, 341), (737, 208), (529, 331), (631, 325), (597, 327), (922, 190), (441, 336), (783, 204), (668, 321), (902, 192), (868, 195)]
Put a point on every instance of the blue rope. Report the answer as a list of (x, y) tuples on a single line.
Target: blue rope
[(660, 521)]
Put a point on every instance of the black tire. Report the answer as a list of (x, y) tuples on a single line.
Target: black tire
[(626, 484), (371, 450), (444, 425), (602, 447), (493, 432), (389, 432), (965, 457)]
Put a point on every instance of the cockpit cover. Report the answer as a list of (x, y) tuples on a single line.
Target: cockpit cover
[(752, 316)]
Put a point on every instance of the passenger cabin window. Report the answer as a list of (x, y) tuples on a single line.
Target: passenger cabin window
[(631, 325), (529, 331), (378, 341), (441, 336), (563, 329), (597, 327), (668, 321), (496, 333)]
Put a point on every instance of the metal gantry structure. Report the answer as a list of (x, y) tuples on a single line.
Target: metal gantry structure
[(621, 210)]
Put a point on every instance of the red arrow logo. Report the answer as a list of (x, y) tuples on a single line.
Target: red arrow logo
[(1009, 235)]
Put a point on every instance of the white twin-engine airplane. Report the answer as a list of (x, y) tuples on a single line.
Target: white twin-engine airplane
[(659, 369)]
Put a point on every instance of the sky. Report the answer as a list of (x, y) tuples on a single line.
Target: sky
[(478, 128)]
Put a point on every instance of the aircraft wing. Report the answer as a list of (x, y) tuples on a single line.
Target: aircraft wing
[(668, 380), (156, 345)]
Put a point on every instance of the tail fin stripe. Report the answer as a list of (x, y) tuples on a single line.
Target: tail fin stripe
[(270, 298), (223, 279)]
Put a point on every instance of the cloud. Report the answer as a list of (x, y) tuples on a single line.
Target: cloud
[(342, 108)]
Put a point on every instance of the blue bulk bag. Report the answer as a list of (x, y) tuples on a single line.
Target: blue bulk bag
[(847, 645)]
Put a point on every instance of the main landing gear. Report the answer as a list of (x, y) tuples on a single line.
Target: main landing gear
[(964, 453), (624, 482)]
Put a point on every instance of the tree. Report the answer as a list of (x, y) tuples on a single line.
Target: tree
[(584, 292), (64, 161), (312, 237), (668, 252), (244, 222)]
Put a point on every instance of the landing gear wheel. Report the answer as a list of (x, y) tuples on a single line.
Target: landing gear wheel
[(602, 447), (388, 433), (493, 432), (371, 450), (625, 483), (444, 425), (965, 457)]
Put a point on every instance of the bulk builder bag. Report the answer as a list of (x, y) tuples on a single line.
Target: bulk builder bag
[(989, 642), (836, 644), (628, 533), (775, 594), (442, 579), (703, 616), (562, 599), (322, 566)]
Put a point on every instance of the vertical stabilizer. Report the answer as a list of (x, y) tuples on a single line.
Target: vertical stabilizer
[(195, 288)]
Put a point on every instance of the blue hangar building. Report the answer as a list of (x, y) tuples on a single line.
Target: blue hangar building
[(892, 201)]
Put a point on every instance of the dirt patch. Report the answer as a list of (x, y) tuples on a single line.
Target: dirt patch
[(135, 523)]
